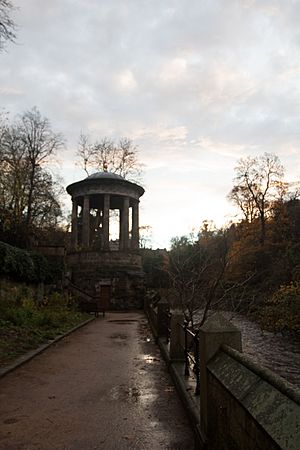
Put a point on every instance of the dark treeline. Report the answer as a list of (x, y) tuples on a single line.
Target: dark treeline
[(252, 266)]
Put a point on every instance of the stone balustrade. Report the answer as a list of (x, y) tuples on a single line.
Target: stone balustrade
[(241, 405)]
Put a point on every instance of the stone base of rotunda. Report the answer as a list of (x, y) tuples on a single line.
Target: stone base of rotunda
[(90, 271)]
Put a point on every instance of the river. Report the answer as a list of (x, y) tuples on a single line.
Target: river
[(280, 353)]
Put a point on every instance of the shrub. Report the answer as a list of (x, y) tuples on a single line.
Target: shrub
[(41, 267), (282, 311), (22, 265)]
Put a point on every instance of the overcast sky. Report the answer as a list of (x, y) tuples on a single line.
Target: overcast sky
[(196, 84)]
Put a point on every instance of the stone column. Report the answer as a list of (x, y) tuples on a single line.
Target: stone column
[(86, 222), (135, 226), (124, 224), (176, 336), (74, 234), (105, 223)]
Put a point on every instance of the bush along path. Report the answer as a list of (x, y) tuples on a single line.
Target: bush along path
[(26, 323)]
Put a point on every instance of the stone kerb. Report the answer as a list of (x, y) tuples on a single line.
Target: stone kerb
[(215, 332)]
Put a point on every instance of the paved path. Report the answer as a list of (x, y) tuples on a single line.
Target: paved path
[(102, 387)]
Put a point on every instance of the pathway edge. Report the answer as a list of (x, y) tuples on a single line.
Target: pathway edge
[(32, 353)]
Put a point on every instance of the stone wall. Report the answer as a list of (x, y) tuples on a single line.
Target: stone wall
[(242, 405), (51, 250), (246, 408), (121, 270)]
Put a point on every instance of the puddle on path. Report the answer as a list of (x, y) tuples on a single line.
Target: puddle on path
[(149, 359), (132, 394), (119, 336)]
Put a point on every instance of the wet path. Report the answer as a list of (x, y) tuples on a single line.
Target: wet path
[(103, 387)]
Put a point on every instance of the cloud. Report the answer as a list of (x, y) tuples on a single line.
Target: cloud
[(125, 81), (8, 91), (197, 85)]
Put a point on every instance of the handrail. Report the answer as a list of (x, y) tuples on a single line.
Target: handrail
[(193, 357), (93, 297), (191, 349), (167, 325)]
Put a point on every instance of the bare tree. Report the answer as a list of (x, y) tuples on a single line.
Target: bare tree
[(145, 233), (241, 196), (195, 270), (120, 158), (39, 143), (7, 25), (198, 275), (29, 195), (84, 152), (258, 183)]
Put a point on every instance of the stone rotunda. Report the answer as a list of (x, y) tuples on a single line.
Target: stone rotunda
[(97, 264)]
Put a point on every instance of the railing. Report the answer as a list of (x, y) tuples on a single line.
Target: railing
[(152, 314), (91, 303), (191, 354), (221, 341), (166, 324), (78, 289), (160, 317)]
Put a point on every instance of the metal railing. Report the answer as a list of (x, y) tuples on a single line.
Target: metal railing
[(191, 354), (91, 303), (167, 325), (160, 318), (152, 314)]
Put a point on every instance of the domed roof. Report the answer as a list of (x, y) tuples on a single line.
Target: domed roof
[(103, 175), (99, 180)]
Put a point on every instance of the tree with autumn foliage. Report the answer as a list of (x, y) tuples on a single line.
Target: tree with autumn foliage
[(252, 266), (257, 185)]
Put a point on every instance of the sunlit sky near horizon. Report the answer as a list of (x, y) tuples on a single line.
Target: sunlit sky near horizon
[(197, 84)]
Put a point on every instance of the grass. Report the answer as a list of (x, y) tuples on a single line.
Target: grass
[(25, 324)]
